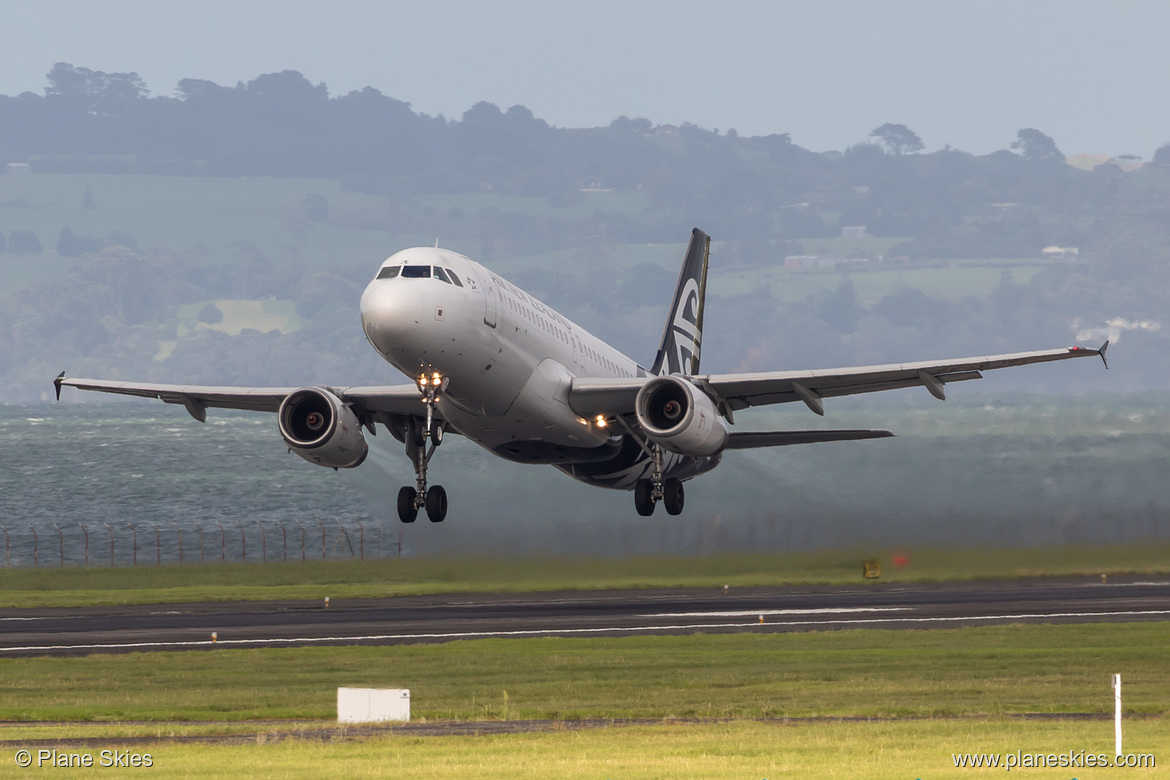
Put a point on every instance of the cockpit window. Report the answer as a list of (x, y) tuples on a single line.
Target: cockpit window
[(389, 272), (416, 272), (455, 278), (441, 275)]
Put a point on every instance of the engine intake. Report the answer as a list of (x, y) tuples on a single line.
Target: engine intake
[(321, 429), (680, 417)]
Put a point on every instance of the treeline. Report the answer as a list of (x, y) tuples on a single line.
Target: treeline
[(114, 311), (949, 203)]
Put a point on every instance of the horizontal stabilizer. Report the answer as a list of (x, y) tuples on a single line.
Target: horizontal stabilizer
[(746, 440)]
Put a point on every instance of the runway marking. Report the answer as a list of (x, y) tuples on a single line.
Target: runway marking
[(756, 612), (564, 631)]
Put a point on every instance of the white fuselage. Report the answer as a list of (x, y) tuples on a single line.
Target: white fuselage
[(509, 359)]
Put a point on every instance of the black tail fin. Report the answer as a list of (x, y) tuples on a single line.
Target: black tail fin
[(678, 352)]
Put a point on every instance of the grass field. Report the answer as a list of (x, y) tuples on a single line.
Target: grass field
[(263, 316), (340, 579), (209, 214), (975, 671), (718, 750), (922, 697), (934, 693)]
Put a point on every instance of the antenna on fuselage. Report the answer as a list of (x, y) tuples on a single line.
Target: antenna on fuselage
[(436, 243)]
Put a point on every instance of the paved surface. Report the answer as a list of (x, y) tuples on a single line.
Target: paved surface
[(593, 613)]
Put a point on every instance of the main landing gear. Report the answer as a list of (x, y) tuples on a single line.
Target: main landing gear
[(418, 434), (648, 492)]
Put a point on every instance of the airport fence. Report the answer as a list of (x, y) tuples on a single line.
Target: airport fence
[(156, 544), (49, 543)]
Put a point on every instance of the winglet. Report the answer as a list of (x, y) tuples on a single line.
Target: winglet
[(57, 384), (1101, 352)]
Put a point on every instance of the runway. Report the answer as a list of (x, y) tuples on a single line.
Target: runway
[(445, 618)]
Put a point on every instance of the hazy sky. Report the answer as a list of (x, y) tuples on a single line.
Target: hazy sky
[(969, 74)]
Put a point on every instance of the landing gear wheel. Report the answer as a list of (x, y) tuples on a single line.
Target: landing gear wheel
[(644, 497), (436, 503), (672, 495), (407, 511), (416, 434), (436, 434)]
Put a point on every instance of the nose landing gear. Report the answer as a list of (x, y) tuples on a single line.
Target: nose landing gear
[(418, 432)]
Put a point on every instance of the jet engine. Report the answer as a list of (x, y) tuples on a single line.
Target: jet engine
[(680, 417), (321, 429)]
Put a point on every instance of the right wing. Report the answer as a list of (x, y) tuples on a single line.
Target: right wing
[(589, 397), (740, 391)]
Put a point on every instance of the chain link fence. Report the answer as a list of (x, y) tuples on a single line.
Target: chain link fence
[(60, 544), (157, 544)]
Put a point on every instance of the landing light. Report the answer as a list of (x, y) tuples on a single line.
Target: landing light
[(600, 421), (433, 380)]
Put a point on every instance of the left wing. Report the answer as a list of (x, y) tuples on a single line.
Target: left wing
[(591, 397), (367, 402)]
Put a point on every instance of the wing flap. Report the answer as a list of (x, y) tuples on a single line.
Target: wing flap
[(749, 398), (744, 390), (743, 440), (589, 397)]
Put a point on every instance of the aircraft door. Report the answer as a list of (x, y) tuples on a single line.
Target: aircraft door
[(488, 284)]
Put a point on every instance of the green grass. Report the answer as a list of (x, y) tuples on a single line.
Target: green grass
[(239, 315), (188, 212), (718, 750), (873, 281), (48, 587), (948, 691), (209, 214), (975, 671)]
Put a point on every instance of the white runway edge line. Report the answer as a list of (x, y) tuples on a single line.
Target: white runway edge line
[(563, 631), (756, 612)]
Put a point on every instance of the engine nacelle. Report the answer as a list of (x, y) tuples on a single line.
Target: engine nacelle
[(321, 429), (680, 417)]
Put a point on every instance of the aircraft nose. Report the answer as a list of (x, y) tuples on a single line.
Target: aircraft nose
[(391, 311)]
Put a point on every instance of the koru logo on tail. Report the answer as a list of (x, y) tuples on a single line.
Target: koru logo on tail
[(685, 331)]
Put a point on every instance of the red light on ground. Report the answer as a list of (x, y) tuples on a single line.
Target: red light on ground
[(900, 560)]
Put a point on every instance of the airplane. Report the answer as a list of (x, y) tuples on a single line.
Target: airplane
[(492, 363)]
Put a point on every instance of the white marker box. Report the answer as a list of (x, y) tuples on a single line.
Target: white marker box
[(372, 705)]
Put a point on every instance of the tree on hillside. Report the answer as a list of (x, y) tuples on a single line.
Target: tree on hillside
[(898, 139), (69, 244), (288, 87), (315, 207), (24, 242), (1034, 145), (210, 314), (92, 90)]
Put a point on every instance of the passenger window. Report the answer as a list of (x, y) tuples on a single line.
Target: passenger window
[(441, 275), (389, 272), (455, 278), (416, 272)]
